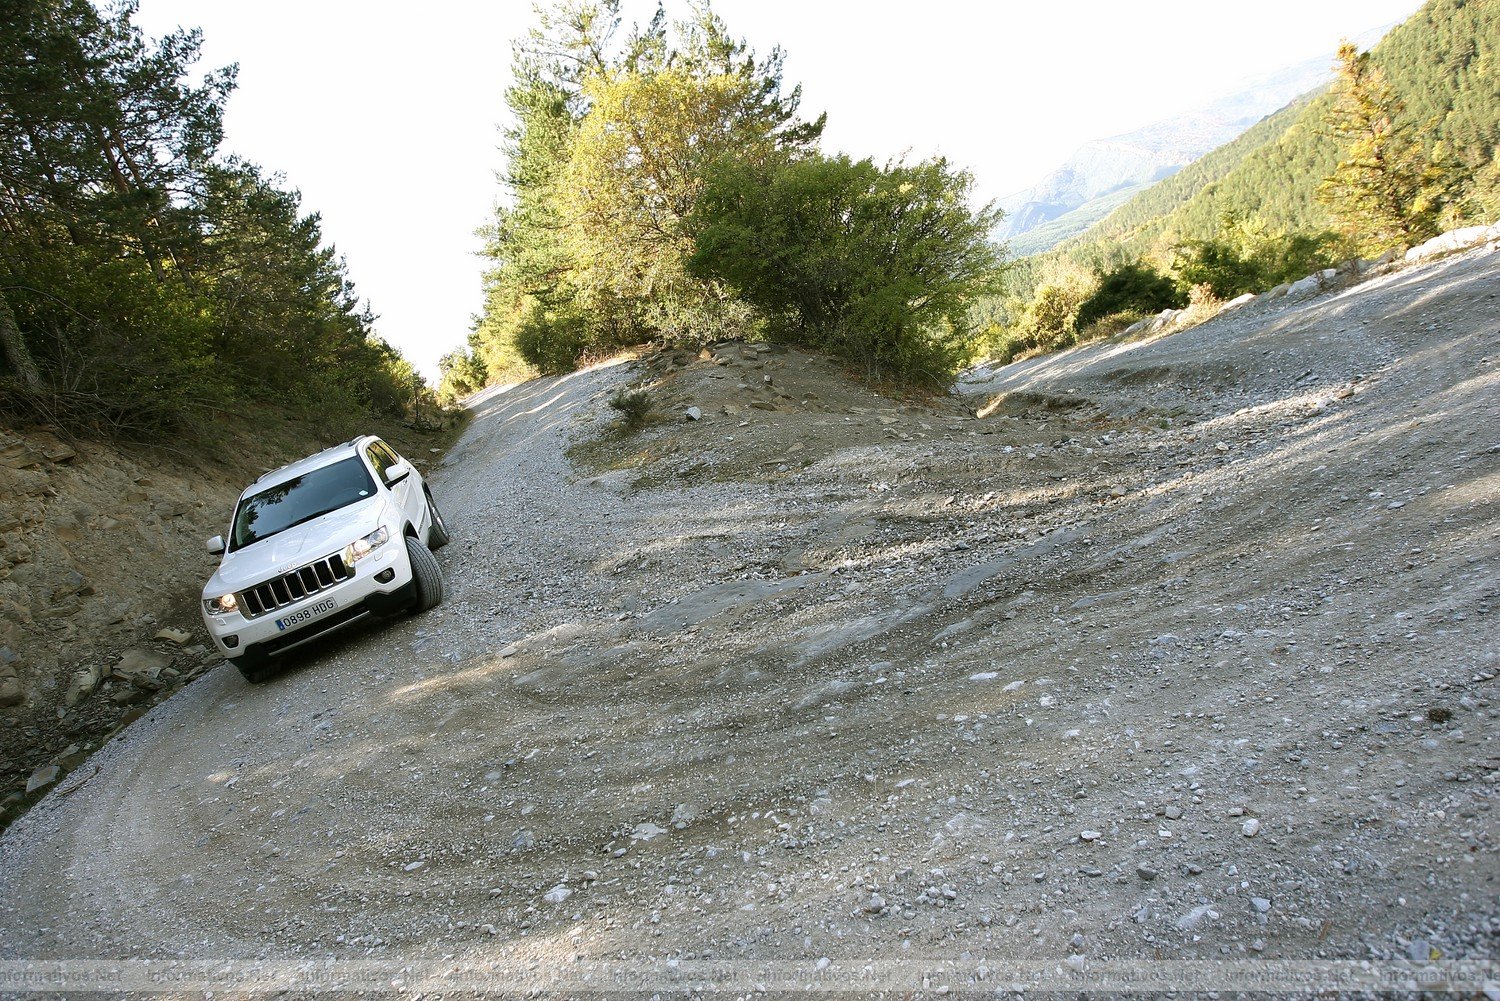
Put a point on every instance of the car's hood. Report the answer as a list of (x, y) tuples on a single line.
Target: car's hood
[(295, 547)]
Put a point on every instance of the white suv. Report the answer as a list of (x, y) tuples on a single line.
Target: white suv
[(318, 545)]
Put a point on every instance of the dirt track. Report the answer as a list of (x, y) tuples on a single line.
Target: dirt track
[(1185, 650)]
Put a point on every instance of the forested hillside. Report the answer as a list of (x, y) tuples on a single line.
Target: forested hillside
[(1104, 173), (150, 284), (1402, 146), (1442, 64)]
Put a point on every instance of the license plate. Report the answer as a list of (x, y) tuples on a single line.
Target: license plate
[(302, 615)]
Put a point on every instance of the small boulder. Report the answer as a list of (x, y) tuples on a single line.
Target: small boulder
[(141, 665), (42, 778), (684, 815), (1305, 286), (82, 685), (693, 414), (59, 453)]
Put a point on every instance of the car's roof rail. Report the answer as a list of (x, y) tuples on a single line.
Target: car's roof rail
[(284, 465)]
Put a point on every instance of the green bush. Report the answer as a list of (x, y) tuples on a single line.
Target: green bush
[(461, 372), (1247, 257), (552, 340), (634, 405), (877, 265), (1136, 287)]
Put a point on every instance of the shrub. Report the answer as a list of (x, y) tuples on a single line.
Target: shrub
[(1135, 287), (462, 372), (878, 265), (552, 340), (1217, 267), (1251, 258), (1109, 326), (634, 405)]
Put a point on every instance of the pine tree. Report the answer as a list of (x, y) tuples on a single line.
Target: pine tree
[(1383, 191)]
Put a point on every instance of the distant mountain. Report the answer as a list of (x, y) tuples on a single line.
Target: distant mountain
[(1049, 234), (1439, 62), (1108, 168)]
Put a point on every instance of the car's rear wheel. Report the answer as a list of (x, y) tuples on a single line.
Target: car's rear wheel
[(426, 577), (254, 667), (437, 534)]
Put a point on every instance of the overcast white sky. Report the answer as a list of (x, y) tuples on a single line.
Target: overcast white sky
[(385, 115)]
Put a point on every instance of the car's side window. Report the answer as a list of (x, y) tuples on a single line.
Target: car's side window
[(390, 453), (381, 458)]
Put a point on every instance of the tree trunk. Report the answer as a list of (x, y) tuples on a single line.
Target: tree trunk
[(125, 190), (13, 347)]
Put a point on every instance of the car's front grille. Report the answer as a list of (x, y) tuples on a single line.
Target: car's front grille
[(279, 592)]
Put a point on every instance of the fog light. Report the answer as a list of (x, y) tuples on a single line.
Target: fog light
[(231, 641), (386, 576)]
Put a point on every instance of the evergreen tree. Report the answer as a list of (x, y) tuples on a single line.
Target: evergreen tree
[(1382, 191), (607, 153), (143, 279)]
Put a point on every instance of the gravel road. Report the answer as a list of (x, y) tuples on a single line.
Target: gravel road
[(1184, 650)]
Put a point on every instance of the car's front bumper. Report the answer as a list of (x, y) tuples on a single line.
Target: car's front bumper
[(236, 635)]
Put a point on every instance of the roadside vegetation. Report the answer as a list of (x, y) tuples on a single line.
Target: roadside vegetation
[(663, 185), (152, 286)]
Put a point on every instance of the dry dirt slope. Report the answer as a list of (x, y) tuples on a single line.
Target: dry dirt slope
[(1185, 650)]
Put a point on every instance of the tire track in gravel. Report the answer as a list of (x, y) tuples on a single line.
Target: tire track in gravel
[(837, 676)]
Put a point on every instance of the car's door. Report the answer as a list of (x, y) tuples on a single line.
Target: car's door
[(408, 490)]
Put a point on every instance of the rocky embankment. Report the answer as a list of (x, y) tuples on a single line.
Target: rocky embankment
[(100, 556)]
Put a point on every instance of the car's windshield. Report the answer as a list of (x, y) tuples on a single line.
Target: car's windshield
[(300, 499)]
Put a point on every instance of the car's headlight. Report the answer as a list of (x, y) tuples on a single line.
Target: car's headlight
[(360, 548), (220, 605)]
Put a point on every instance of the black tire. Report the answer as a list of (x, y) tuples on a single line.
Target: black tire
[(254, 667), (426, 578), (437, 534)]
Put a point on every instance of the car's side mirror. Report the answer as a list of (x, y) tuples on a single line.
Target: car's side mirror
[(215, 545), (396, 474)]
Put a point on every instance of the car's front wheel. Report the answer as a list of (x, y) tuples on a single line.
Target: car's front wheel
[(437, 533), (427, 578), (254, 667)]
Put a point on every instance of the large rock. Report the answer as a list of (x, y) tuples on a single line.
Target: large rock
[(1306, 286), (58, 452), (1237, 302), (141, 665), (82, 685), (1447, 243), (43, 777)]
